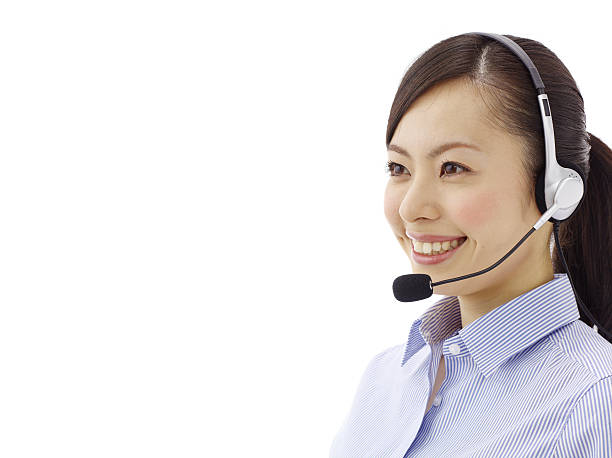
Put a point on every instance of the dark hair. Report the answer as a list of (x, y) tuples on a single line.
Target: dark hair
[(507, 90)]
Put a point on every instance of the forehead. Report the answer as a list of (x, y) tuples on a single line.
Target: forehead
[(450, 111)]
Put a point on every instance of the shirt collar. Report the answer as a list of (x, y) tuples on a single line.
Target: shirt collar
[(500, 333)]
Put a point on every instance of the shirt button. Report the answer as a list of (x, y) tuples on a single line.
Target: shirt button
[(454, 349), (437, 401)]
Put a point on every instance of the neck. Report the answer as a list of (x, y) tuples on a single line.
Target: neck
[(475, 305)]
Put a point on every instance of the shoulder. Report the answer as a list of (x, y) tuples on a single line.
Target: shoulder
[(390, 357), (588, 427), (381, 366), (583, 347)]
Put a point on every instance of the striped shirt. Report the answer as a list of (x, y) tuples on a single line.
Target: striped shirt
[(528, 379)]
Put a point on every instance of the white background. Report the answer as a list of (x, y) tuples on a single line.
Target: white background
[(194, 258)]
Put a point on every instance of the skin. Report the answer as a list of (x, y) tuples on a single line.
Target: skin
[(491, 203)]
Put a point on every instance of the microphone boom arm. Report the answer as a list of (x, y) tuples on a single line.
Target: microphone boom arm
[(535, 227)]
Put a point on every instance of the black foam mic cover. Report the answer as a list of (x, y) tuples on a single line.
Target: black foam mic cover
[(412, 287)]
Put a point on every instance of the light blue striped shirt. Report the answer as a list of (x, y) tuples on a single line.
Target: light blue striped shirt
[(527, 379)]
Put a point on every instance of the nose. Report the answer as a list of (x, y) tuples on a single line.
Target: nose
[(420, 201)]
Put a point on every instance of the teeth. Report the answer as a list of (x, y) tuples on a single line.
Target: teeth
[(434, 247)]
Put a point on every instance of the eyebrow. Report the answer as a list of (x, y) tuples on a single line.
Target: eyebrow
[(436, 151)]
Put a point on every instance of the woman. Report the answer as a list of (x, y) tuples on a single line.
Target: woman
[(505, 364)]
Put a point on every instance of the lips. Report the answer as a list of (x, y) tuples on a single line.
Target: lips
[(433, 259)]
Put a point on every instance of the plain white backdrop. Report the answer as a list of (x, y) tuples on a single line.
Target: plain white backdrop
[(194, 259)]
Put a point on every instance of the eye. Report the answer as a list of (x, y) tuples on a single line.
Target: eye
[(453, 165), (394, 169)]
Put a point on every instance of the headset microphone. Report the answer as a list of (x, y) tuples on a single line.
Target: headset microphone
[(560, 187)]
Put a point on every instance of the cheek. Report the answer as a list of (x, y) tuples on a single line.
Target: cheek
[(477, 212)]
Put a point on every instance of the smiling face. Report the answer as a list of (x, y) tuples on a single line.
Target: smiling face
[(478, 192)]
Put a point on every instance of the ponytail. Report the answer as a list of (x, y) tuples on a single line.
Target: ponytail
[(586, 239)]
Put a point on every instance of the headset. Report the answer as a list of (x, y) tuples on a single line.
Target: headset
[(558, 190)]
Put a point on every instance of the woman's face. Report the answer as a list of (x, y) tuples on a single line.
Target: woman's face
[(481, 194)]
